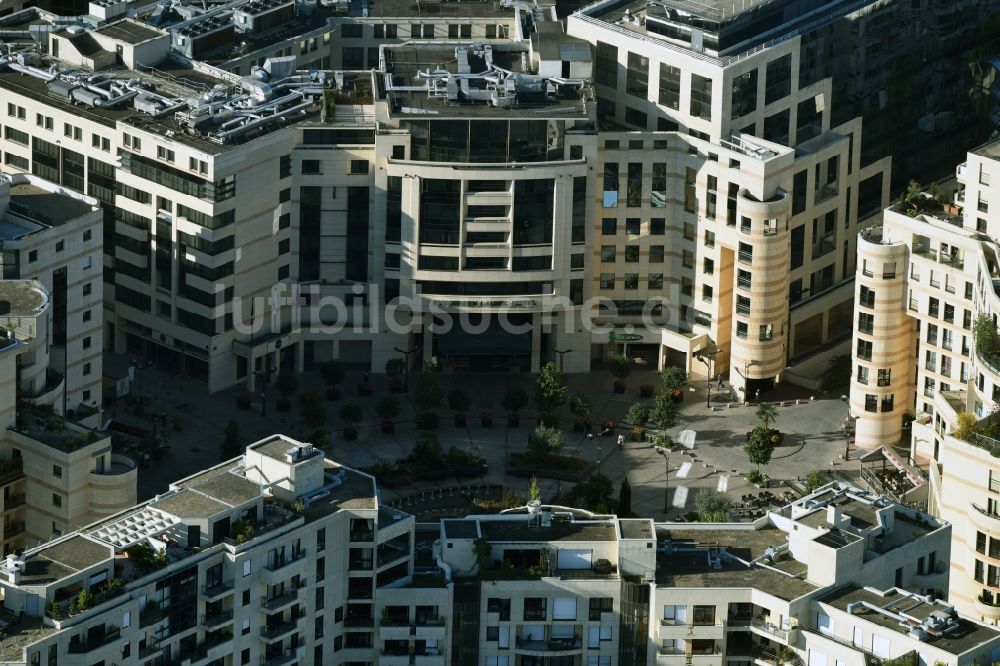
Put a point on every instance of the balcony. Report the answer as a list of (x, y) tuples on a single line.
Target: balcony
[(281, 565), (217, 619), (289, 656), (362, 535), (217, 589), (280, 601), (279, 630), (669, 629), (11, 470), (985, 518), (987, 608), (93, 643), (13, 529), (551, 645), (769, 630)]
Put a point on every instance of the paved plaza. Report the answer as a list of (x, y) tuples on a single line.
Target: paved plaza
[(813, 440)]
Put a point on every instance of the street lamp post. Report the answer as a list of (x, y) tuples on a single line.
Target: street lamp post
[(708, 366), (406, 354), (561, 353), (847, 426), (666, 479)]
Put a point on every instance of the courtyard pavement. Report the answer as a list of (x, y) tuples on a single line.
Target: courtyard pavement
[(813, 440)]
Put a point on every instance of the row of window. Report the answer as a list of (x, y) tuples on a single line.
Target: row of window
[(653, 281)]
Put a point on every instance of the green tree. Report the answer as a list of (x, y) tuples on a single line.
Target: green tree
[(664, 412), (759, 447), (286, 383), (313, 410), (534, 493), (712, 505), (673, 378), (395, 366), (837, 373), (230, 447), (387, 408), (620, 366), (984, 332), (580, 406), (814, 480), (595, 491), (966, 426), (550, 389), (428, 395), (351, 413), (333, 372), (766, 414), (514, 400), (625, 498), (546, 440), (638, 414)]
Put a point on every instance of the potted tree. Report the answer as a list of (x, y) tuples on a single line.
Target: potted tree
[(428, 397), (514, 399), (620, 366), (387, 409), (534, 496), (313, 410), (287, 384), (332, 372), (550, 394), (673, 379), (579, 405), (459, 401), (395, 367), (637, 416), (351, 415)]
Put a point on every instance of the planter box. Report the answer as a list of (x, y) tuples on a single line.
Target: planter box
[(619, 388)]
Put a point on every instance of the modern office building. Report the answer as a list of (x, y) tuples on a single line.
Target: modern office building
[(52, 234), (268, 189), (56, 475)]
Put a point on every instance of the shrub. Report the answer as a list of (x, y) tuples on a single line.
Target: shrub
[(428, 394), (514, 399), (313, 410), (351, 413), (320, 438), (638, 414), (579, 405), (713, 506), (966, 426), (673, 378), (544, 439), (286, 383), (814, 480), (395, 366), (387, 408), (550, 389), (620, 366)]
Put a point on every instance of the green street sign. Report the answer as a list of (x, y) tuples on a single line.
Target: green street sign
[(624, 337)]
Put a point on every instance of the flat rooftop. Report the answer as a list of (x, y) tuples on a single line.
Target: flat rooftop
[(469, 97), (63, 559), (190, 504), (431, 10), (49, 208), (54, 431), (22, 298), (355, 490), (632, 528), (129, 31), (862, 514), (989, 149), (969, 636), (683, 560), (522, 531)]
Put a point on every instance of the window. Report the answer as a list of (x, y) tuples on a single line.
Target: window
[(86, 342), (742, 305), (656, 254), (706, 292), (655, 281), (56, 500), (16, 136), (311, 167), (743, 279), (779, 78), (864, 351), (741, 330), (746, 254), (887, 403), (709, 266), (598, 606), (564, 608), (358, 166), (631, 253), (609, 226), (871, 403), (631, 280), (32, 256), (867, 297), (884, 376), (862, 376), (633, 226), (608, 254), (766, 332), (164, 153), (866, 322), (701, 97), (607, 280), (86, 369), (57, 471), (637, 75), (606, 65)]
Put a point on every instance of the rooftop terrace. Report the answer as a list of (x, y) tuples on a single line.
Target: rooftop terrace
[(914, 607), (22, 298), (720, 558), (53, 430)]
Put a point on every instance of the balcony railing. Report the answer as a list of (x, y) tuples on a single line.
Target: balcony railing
[(217, 619), (13, 529), (362, 535), (772, 629), (13, 501), (217, 588), (551, 645), (294, 556)]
